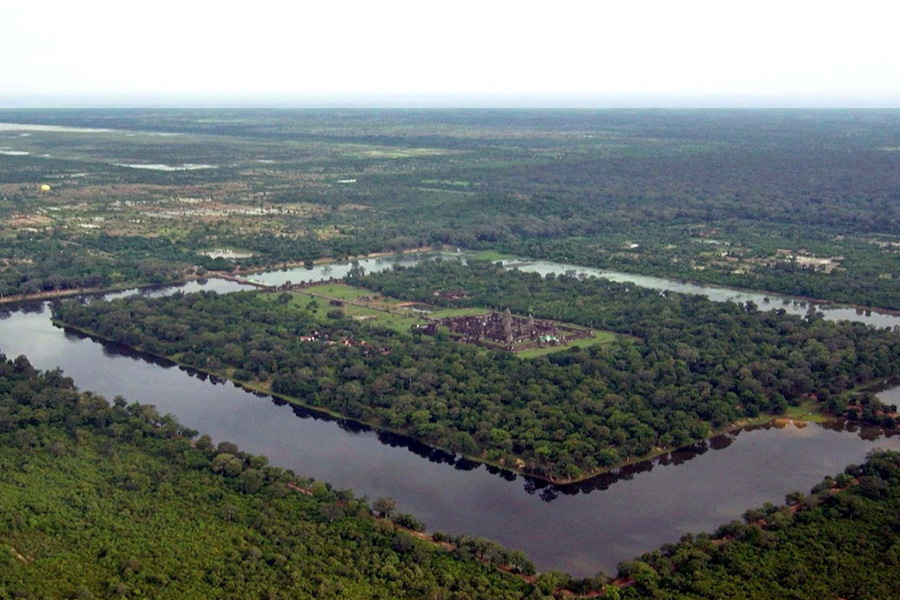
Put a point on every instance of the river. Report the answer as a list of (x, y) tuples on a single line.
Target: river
[(580, 529)]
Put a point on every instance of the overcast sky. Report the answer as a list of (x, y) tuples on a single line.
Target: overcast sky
[(450, 53)]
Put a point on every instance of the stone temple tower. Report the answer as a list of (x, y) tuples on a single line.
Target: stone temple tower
[(507, 325)]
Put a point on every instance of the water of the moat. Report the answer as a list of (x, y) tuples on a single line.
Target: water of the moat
[(581, 529)]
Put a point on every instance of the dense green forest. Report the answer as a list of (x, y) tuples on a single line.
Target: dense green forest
[(62, 263), (730, 197), (684, 367), (118, 501)]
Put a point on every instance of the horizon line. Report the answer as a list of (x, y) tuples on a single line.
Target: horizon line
[(441, 101)]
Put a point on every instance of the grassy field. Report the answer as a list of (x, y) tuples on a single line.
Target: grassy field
[(597, 339), (338, 290), (316, 300), (350, 293), (490, 255), (808, 411), (443, 313), (400, 323)]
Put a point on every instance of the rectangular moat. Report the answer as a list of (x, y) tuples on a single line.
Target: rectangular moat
[(580, 529)]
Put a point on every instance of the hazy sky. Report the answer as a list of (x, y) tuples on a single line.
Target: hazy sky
[(459, 52)]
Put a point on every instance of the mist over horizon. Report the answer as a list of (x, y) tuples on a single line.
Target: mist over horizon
[(447, 101)]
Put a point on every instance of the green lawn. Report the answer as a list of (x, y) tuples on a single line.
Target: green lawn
[(599, 338), (490, 255), (807, 411), (443, 313), (338, 290), (400, 323), (313, 298)]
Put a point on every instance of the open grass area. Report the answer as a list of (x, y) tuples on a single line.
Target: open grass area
[(350, 293), (316, 301), (400, 323), (807, 411), (443, 313), (490, 255), (597, 339), (339, 290), (297, 301)]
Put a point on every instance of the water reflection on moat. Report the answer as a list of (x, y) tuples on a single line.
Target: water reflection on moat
[(581, 528)]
